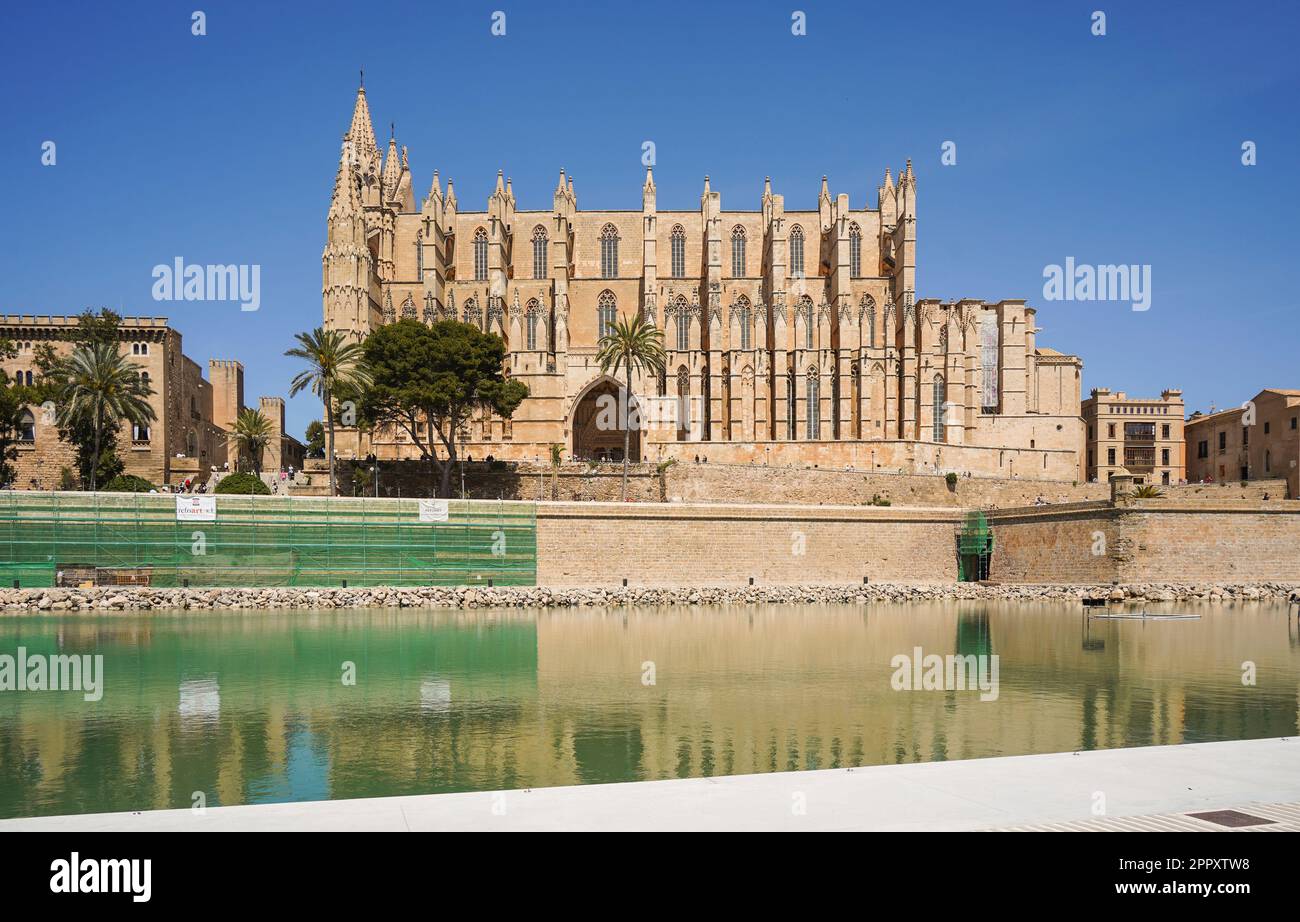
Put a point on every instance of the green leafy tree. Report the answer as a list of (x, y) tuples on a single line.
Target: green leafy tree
[(315, 439), (334, 367), (251, 434), (96, 388), (429, 380), (14, 398), (633, 344), (93, 465)]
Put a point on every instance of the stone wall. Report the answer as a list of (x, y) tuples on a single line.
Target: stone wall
[(1172, 540), (750, 483), (600, 544)]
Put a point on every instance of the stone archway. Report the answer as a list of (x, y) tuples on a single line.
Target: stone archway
[(597, 433)]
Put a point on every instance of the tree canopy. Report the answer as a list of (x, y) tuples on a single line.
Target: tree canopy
[(428, 381)]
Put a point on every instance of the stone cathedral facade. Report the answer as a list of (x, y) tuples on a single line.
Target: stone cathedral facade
[(793, 337)]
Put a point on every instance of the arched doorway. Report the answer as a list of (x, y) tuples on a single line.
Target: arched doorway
[(598, 422)]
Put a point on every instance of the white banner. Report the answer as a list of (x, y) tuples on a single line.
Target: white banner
[(190, 508), (433, 510)]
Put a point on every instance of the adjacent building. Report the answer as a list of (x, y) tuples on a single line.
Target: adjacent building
[(193, 415), (793, 335), (1140, 435), (1256, 441)]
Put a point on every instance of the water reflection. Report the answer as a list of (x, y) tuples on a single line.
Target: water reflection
[(247, 708)]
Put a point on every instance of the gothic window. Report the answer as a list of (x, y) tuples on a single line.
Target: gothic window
[(796, 252), (609, 252), (814, 400), (989, 361), (940, 410), (855, 251), (806, 311), (532, 313), (746, 320), (683, 326), (480, 255), (678, 252), (139, 433), (683, 399), (869, 318), (738, 251), (539, 252), (790, 405), (606, 312), (473, 315), (27, 427)]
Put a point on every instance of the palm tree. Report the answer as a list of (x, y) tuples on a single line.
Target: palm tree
[(333, 365), (98, 386), (1147, 491), (634, 344), (252, 433)]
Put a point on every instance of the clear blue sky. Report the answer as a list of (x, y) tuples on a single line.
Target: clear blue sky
[(1124, 148)]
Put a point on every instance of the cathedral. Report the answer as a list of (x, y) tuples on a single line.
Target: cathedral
[(792, 337)]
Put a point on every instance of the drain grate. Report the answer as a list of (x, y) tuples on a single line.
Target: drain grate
[(1234, 819)]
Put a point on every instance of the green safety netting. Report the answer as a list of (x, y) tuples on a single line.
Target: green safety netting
[(136, 539)]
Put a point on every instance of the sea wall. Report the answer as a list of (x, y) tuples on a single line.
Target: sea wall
[(1173, 540)]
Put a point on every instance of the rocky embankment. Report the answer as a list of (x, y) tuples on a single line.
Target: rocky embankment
[(109, 599)]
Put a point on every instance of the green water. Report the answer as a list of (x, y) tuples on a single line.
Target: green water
[(254, 708)]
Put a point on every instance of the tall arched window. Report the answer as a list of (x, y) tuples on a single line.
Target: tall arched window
[(940, 410), (683, 325), (539, 252), (738, 251), (869, 318), (814, 403), (609, 252), (855, 251), (533, 315), (796, 252), (746, 320), (790, 407), (678, 247), (683, 400), (606, 312), (480, 255), (806, 311)]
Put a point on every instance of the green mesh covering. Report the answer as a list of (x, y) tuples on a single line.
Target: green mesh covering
[(135, 539), (974, 548)]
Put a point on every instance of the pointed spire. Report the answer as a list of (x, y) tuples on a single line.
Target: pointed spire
[(826, 192), (706, 184), (347, 195), (451, 194), (560, 187), (649, 180), (767, 186), (510, 191), (435, 188), (889, 182), (362, 131), (392, 172), (571, 195), (500, 188)]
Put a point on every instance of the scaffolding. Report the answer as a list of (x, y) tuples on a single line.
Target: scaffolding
[(974, 548), (134, 539)]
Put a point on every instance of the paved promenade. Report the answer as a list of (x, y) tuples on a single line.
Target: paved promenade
[(1147, 788)]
